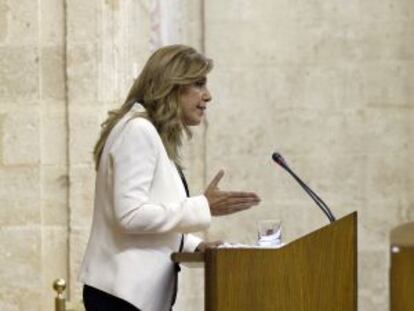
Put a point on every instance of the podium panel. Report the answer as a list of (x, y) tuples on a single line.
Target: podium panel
[(317, 272), (402, 268)]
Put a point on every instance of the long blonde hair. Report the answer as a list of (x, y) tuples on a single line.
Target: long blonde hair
[(158, 89)]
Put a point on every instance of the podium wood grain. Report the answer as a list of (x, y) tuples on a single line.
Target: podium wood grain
[(402, 279), (402, 268), (317, 272)]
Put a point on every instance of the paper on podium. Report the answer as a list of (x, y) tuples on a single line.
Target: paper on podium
[(240, 245), (196, 260)]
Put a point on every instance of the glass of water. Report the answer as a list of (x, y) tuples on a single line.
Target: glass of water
[(269, 233)]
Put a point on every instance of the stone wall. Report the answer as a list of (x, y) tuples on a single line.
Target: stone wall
[(33, 152), (327, 83), (107, 43)]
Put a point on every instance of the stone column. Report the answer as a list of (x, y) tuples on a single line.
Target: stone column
[(33, 149), (107, 43)]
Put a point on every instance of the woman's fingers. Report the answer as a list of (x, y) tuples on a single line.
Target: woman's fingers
[(205, 245), (228, 202), (240, 197), (213, 244), (227, 210), (229, 205), (240, 194), (214, 183)]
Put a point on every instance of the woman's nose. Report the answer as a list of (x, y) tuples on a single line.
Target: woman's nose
[(207, 95)]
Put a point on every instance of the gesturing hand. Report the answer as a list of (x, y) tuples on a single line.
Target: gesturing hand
[(204, 245), (228, 202)]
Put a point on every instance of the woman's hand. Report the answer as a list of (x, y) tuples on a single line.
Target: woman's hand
[(228, 202), (204, 245)]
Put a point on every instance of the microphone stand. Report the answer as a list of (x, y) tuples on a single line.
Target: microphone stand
[(319, 202)]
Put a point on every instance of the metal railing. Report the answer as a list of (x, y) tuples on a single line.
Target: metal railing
[(61, 304)]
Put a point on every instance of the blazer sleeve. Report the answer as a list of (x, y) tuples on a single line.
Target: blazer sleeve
[(134, 162)]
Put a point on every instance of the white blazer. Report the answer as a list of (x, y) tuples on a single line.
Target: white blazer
[(140, 211)]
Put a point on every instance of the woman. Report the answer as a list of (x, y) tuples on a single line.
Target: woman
[(142, 210)]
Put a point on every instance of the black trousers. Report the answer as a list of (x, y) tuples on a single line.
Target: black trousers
[(97, 300)]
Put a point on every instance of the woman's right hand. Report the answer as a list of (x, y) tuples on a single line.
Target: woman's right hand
[(228, 202)]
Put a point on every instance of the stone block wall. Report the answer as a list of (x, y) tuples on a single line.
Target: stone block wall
[(327, 83), (33, 161), (107, 44)]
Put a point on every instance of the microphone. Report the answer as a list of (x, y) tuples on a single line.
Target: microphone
[(277, 157)]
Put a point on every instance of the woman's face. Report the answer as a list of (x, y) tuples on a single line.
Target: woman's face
[(194, 100)]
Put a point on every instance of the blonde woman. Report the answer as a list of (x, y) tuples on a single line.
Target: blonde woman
[(143, 211)]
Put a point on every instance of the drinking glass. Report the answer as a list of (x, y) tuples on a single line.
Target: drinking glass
[(269, 232)]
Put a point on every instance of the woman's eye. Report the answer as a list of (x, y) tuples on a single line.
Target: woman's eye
[(200, 83)]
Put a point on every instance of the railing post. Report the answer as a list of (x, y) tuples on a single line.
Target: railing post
[(59, 286)]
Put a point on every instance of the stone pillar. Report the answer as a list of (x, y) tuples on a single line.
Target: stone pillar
[(33, 149), (107, 43)]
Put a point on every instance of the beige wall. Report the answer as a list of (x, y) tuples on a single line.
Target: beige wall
[(327, 83), (33, 152)]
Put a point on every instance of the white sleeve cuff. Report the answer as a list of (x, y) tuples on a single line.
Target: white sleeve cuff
[(191, 242), (198, 215)]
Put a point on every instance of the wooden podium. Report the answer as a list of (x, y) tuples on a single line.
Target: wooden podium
[(317, 272)]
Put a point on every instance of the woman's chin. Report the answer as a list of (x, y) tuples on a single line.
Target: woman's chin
[(193, 122)]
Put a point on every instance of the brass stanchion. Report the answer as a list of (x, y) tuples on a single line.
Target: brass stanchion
[(59, 286)]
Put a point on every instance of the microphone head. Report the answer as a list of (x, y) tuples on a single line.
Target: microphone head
[(277, 157)]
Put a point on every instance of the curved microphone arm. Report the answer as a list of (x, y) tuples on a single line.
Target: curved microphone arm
[(277, 157)]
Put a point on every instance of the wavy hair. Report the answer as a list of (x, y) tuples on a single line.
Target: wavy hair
[(158, 88)]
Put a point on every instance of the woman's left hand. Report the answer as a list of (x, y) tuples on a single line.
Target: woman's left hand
[(204, 245)]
